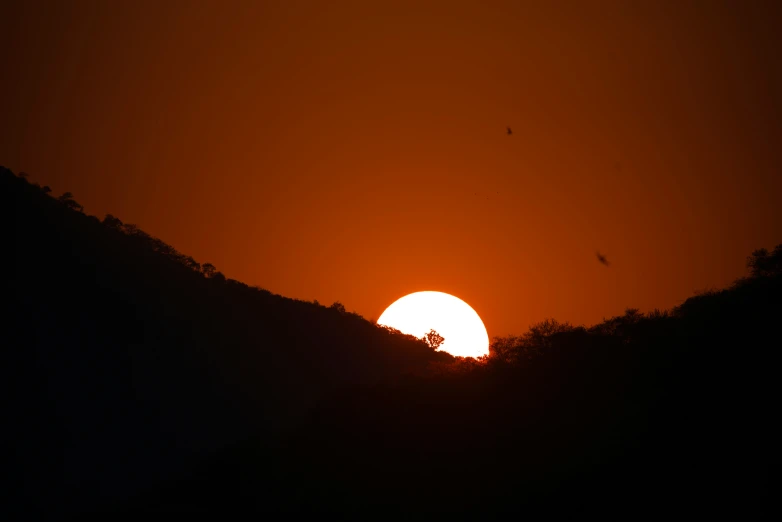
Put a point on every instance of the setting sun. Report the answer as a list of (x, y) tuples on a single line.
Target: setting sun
[(417, 313)]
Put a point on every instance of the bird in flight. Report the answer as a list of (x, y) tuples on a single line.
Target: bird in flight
[(509, 131), (602, 259)]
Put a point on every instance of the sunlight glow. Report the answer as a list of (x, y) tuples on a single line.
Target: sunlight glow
[(417, 313)]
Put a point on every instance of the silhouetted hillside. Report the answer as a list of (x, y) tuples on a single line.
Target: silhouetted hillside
[(669, 412), (127, 360), (141, 383)]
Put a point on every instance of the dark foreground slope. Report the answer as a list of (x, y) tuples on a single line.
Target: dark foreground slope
[(665, 414), (125, 364), (140, 387)]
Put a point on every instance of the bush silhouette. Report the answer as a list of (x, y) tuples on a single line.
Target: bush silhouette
[(433, 339)]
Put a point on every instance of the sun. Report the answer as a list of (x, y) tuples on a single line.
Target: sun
[(417, 313)]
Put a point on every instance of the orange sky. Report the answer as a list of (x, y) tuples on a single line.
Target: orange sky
[(357, 151)]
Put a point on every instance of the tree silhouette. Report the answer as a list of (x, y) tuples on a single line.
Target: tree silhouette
[(536, 341), (763, 264), (505, 349), (433, 339), (339, 307), (191, 263), (537, 338), (112, 222), (67, 200), (208, 269)]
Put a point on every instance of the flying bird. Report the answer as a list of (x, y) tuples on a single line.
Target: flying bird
[(602, 259), (509, 131)]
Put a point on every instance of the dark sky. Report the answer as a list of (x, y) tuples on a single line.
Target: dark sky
[(356, 151)]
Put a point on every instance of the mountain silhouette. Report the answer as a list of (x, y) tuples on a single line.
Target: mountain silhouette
[(141, 382), (129, 360)]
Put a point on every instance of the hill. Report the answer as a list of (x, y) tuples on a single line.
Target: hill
[(127, 360), (144, 382)]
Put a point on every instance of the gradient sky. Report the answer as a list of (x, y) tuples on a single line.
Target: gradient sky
[(356, 151)]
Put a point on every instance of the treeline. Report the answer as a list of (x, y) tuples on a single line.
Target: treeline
[(654, 412), (127, 358), (764, 271), (129, 365), (140, 237), (515, 349), (142, 240)]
